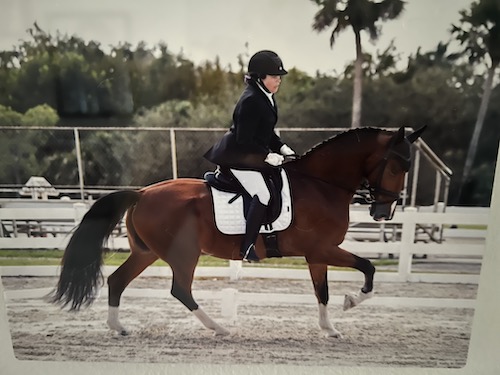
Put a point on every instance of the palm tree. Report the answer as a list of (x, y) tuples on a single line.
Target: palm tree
[(360, 15), (479, 34)]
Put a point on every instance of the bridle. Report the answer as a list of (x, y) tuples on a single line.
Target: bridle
[(369, 192), (377, 189)]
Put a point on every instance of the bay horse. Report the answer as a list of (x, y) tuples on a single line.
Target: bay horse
[(173, 220)]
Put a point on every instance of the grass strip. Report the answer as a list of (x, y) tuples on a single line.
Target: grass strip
[(116, 258)]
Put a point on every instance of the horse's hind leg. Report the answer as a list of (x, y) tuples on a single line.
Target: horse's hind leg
[(182, 279), (183, 257), (319, 278), (137, 262)]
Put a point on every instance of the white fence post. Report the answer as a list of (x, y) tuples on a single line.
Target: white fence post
[(407, 240), (80, 211), (79, 163), (173, 153), (235, 269), (229, 304)]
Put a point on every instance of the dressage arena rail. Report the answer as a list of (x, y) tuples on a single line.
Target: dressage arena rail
[(459, 242)]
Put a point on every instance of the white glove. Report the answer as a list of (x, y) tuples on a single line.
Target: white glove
[(274, 159), (285, 150)]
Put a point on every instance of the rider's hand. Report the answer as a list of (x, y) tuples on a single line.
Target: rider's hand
[(287, 151), (274, 159)]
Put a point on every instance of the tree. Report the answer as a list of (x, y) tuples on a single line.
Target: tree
[(359, 15), (41, 115), (20, 150), (9, 117), (479, 34)]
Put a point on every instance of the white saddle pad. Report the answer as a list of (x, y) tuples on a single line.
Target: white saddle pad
[(229, 217)]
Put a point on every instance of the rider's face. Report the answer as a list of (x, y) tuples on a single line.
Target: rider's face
[(272, 83)]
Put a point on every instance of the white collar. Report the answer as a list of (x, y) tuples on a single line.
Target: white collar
[(268, 94)]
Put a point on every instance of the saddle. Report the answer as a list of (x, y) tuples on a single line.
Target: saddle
[(222, 179), (231, 204)]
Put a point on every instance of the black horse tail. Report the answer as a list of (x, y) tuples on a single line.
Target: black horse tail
[(81, 273)]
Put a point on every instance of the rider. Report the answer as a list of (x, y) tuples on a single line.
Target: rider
[(251, 144)]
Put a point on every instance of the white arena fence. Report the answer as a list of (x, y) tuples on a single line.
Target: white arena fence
[(463, 237)]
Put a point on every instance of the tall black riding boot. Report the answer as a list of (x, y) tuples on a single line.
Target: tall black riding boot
[(255, 217)]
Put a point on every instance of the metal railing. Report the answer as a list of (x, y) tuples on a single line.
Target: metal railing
[(443, 174)]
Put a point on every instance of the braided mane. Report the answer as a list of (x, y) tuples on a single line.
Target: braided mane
[(342, 135)]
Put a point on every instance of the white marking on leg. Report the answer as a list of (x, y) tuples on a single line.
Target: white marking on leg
[(324, 323), (113, 321), (355, 298), (209, 323)]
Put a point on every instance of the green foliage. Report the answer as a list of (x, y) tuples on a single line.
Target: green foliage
[(18, 159), (479, 30), (212, 81), (78, 78), (9, 117), (479, 35), (19, 150), (41, 115), (358, 14), (323, 102), (173, 113)]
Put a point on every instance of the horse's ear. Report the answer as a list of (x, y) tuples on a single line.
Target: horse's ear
[(416, 134), (399, 136)]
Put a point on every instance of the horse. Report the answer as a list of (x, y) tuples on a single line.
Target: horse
[(173, 220)]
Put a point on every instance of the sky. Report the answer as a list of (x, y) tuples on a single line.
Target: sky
[(205, 29)]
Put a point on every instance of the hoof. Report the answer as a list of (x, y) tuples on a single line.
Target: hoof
[(354, 299), (367, 295), (333, 334), (118, 328), (221, 332), (349, 301)]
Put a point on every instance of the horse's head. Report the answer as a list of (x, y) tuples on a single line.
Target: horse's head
[(386, 180)]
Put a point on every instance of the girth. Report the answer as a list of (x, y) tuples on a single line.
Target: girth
[(222, 179)]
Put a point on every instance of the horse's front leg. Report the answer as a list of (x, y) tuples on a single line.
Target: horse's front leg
[(320, 282), (342, 258), (353, 299)]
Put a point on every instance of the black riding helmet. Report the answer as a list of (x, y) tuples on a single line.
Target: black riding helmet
[(265, 63)]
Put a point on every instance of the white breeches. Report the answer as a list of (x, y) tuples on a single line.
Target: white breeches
[(254, 184)]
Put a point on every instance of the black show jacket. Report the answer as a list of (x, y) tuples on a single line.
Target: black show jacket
[(251, 136)]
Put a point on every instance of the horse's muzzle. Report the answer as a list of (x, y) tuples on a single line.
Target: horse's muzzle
[(383, 211)]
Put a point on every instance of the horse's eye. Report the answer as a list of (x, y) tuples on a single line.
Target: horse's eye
[(395, 169)]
